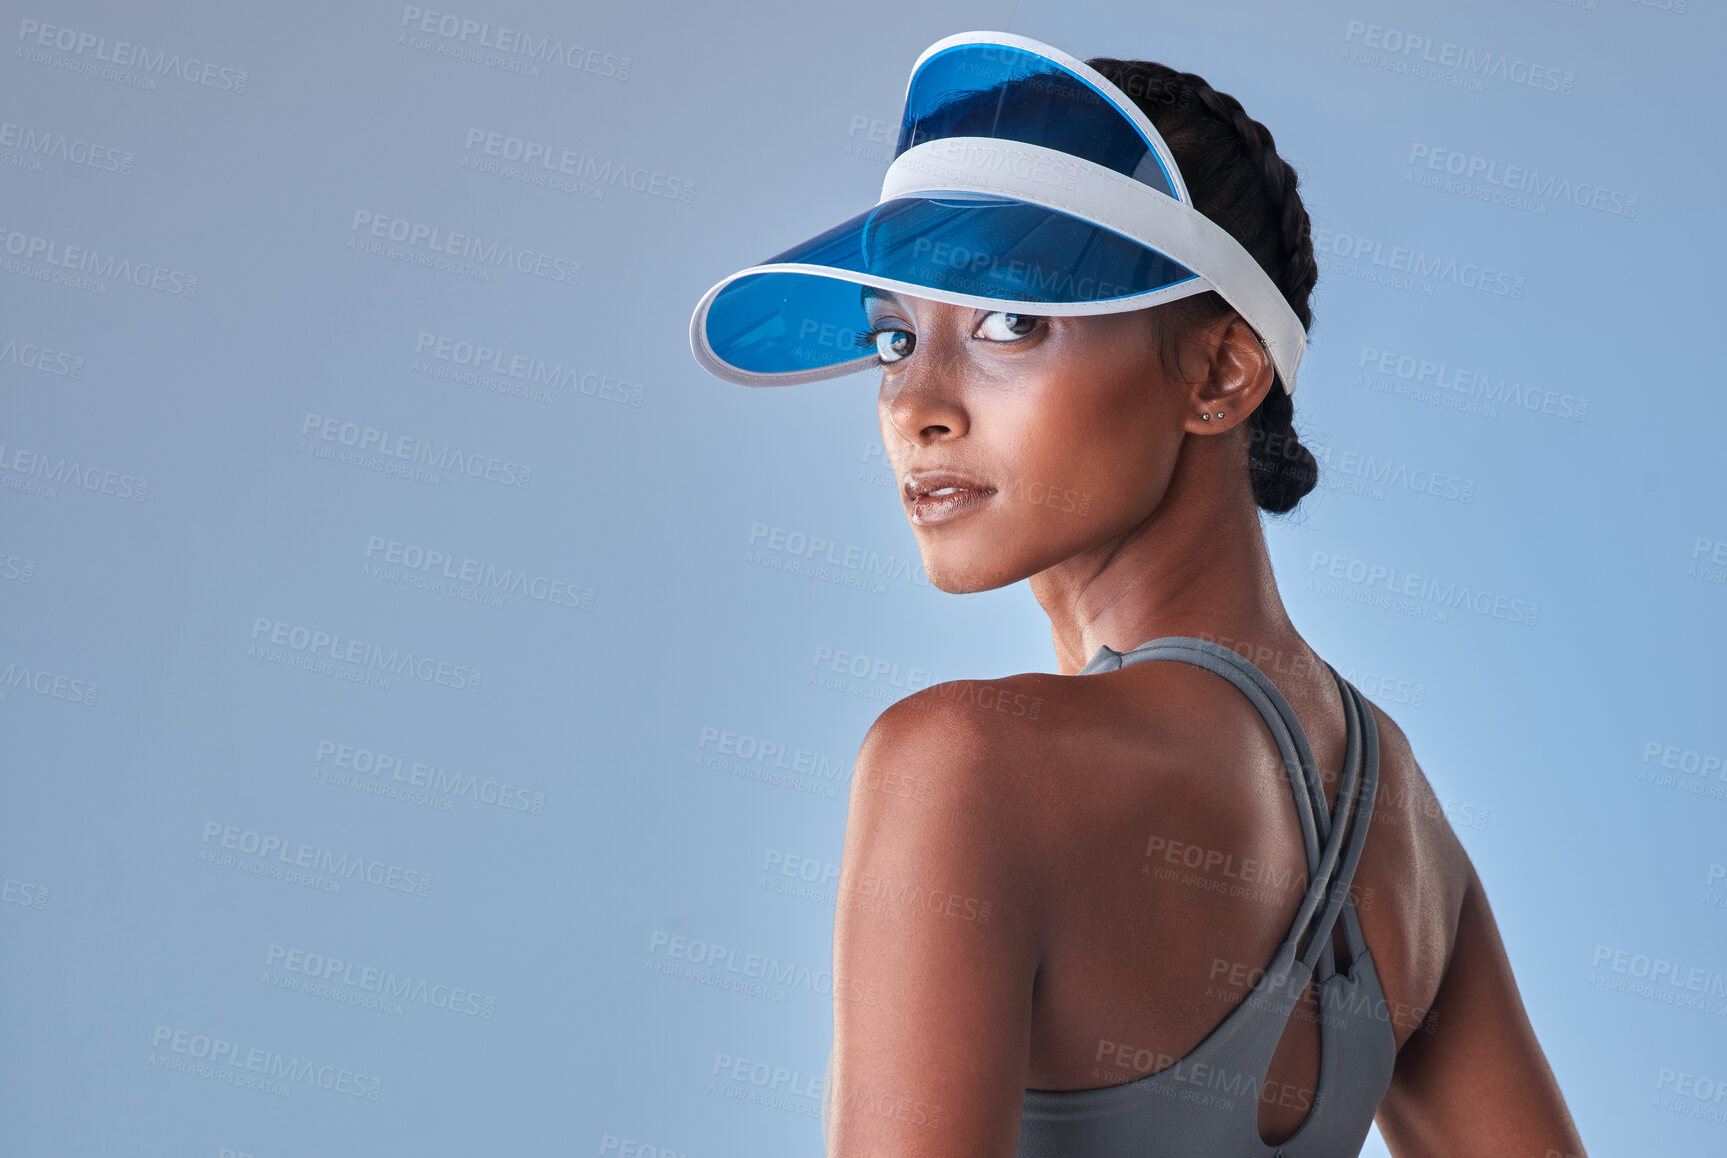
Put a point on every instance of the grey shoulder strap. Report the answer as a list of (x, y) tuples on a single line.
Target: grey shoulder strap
[(1361, 762)]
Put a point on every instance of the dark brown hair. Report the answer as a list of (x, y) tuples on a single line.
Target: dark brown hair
[(1235, 177)]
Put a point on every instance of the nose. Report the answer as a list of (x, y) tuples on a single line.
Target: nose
[(922, 405), (923, 400)]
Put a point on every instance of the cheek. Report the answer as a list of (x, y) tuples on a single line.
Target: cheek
[(1059, 501), (1101, 455), (1055, 459)]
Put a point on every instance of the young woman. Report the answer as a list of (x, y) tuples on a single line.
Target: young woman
[(1204, 906)]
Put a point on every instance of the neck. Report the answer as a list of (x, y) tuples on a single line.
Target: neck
[(1197, 565)]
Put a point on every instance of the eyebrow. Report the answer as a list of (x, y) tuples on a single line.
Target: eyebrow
[(870, 292)]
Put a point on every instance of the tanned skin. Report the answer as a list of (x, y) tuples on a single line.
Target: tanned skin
[(998, 926)]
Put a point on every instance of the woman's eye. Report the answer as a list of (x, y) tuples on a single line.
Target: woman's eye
[(1001, 327), (891, 345)]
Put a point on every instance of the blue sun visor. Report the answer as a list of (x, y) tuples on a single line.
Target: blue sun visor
[(1022, 181)]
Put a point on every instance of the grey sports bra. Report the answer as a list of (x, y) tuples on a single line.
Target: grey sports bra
[(1207, 1103)]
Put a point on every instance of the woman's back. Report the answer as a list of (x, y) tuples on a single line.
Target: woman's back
[(1159, 923), (1137, 839)]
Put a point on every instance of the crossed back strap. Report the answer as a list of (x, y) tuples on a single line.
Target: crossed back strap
[(1332, 856)]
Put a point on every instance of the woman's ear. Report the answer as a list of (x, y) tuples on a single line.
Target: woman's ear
[(1229, 371)]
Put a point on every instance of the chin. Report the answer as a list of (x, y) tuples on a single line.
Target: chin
[(965, 577)]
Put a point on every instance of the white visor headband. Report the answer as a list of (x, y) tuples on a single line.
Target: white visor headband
[(1023, 182)]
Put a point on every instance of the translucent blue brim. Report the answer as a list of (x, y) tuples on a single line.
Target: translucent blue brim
[(968, 248)]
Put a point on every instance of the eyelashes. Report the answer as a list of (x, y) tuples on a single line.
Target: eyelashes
[(889, 345), (893, 345)]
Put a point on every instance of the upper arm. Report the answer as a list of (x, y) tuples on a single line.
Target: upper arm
[(1479, 1082), (934, 946)]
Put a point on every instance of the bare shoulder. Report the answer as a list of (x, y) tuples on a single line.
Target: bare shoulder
[(1413, 854), (936, 936), (1408, 811), (1406, 807), (962, 771), (960, 742), (987, 708), (1474, 1079)]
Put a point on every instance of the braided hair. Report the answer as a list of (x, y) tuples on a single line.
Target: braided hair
[(1236, 178)]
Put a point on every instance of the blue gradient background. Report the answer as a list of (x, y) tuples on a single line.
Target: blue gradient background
[(1534, 734)]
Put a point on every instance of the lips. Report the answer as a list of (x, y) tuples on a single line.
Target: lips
[(919, 484), (935, 496)]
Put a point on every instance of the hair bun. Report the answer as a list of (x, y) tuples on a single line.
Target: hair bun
[(1281, 469)]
